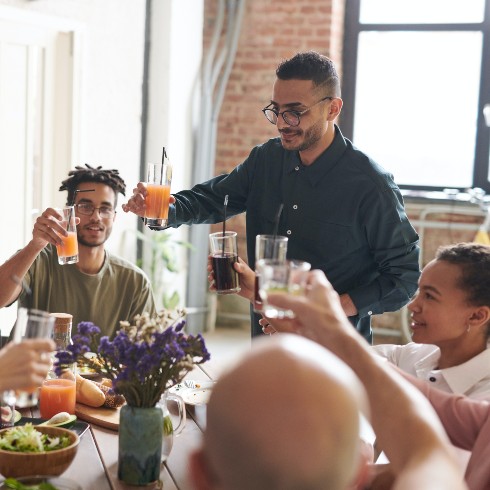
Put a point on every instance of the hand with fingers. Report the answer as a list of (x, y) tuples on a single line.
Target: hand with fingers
[(25, 364), (48, 228), (319, 309), (136, 203), (267, 326), (246, 277)]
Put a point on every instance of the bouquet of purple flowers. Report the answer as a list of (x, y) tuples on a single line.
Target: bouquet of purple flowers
[(143, 360)]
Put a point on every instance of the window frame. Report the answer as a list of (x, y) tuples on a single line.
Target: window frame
[(352, 30)]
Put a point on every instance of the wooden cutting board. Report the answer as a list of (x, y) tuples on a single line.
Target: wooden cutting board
[(105, 417)]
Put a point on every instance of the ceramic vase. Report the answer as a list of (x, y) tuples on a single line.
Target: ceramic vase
[(140, 445)]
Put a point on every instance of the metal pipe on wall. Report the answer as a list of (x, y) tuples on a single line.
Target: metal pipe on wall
[(216, 67)]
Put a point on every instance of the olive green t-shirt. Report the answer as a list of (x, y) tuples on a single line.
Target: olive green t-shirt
[(119, 291)]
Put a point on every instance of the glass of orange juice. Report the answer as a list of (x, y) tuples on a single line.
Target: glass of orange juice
[(157, 199), (58, 395), (68, 250)]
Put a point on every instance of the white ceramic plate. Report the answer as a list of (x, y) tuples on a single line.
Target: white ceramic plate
[(194, 396), (86, 372)]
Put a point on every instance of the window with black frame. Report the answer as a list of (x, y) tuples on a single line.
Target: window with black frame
[(416, 89)]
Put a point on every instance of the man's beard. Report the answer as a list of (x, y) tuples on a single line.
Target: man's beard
[(310, 136), (92, 244)]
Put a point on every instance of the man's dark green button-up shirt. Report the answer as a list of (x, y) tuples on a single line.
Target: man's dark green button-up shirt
[(343, 213)]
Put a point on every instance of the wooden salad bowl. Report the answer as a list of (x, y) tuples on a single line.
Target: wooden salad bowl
[(14, 464)]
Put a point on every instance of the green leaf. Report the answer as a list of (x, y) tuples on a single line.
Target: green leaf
[(16, 485), (171, 302)]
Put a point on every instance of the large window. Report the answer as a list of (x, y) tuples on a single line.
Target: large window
[(416, 89)]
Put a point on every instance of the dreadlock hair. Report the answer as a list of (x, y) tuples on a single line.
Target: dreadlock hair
[(91, 174)]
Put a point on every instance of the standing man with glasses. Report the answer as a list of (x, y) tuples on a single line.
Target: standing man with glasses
[(102, 287), (342, 212)]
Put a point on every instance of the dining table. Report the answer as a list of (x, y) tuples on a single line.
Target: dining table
[(95, 464)]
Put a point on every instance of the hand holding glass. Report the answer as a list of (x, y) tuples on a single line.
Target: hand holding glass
[(31, 324), (68, 250), (287, 277), (158, 195), (223, 256)]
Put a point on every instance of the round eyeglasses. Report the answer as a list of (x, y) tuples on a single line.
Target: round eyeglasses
[(88, 209), (293, 118)]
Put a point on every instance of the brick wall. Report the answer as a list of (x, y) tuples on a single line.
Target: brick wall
[(272, 30)]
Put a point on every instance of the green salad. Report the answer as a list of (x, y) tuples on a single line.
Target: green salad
[(27, 439), (16, 485)]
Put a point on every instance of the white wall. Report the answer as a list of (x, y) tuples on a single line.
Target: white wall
[(110, 40), (109, 56)]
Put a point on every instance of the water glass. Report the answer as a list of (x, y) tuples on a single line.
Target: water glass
[(277, 276), (224, 254), (68, 250), (31, 324), (267, 247), (158, 197), (7, 409)]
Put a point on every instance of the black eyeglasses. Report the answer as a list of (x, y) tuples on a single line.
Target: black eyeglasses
[(293, 118), (88, 209)]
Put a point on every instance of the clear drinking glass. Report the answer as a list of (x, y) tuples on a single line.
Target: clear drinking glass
[(287, 277), (157, 199), (31, 324), (224, 253), (267, 247), (7, 409), (174, 419), (68, 250)]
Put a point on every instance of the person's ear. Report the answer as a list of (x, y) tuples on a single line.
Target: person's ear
[(199, 471), (334, 108), (480, 316)]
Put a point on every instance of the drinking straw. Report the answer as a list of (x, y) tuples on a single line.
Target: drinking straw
[(164, 155), (25, 286), (276, 221), (224, 225)]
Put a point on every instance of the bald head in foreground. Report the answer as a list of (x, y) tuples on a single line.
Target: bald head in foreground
[(306, 435)]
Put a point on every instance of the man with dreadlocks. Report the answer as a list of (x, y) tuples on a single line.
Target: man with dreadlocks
[(102, 287)]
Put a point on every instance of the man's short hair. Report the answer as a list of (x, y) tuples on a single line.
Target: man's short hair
[(313, 66), (91, 174)]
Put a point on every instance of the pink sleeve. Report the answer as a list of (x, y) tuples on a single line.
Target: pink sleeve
[(462, 417)]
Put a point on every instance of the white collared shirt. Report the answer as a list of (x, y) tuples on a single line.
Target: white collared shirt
[(472, 378)]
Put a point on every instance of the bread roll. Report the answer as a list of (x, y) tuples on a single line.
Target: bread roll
[(89, 393), (112, 400), (106, 382)]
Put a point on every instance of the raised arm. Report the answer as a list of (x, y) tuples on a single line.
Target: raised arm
[(46, 230), (405, 423)]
